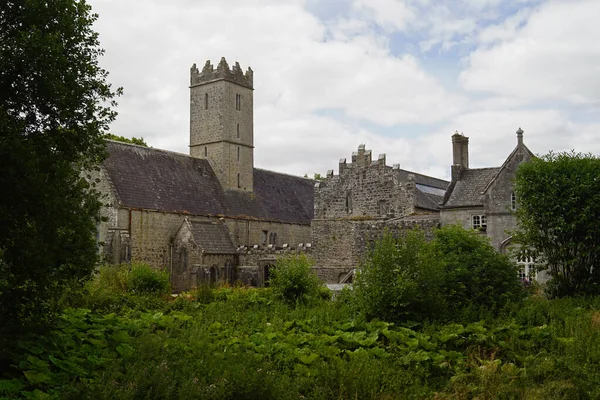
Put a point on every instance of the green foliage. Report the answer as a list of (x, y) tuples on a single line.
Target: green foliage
[(559, 219), (243, 345), (55, 106), (457, 274), (294, 282), (117, 287), (477, 279), (139, 141), (146, 280), (399, 281)]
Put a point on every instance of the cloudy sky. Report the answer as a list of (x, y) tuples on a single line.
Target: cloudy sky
[(400, 76)]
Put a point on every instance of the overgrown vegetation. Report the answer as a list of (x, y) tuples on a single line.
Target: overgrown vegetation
[(244, 343), (456, 276), (294, 282), (559, 219)]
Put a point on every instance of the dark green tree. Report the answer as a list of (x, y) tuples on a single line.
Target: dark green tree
[(55, 108), (559, 219)]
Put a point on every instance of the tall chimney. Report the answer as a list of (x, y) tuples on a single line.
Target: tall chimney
[(520, 137), (460, 150)]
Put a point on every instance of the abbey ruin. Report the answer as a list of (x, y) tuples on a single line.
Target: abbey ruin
[(212, 216)]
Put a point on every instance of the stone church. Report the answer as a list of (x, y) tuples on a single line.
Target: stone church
[(206, 215), (212, 216)]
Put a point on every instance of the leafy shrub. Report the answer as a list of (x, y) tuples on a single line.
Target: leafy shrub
[(458, 274), (476, 277), (398, 281), (146, 280), (293, 280)]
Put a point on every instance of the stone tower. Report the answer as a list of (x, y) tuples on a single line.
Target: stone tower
[(222, 122)]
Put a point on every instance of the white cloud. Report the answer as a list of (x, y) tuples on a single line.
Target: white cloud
[(555, 55), (317, 82)]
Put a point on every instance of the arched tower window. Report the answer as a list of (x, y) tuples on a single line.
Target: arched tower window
[(349, 202)]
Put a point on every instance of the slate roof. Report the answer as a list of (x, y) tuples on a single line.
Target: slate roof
[(167, 181), (470, 186), (425, 199), (212, 237)]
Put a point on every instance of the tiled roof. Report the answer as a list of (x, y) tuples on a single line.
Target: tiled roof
[(470, 186), (162, 180), (212, 237), (425, 180), (426, 199)]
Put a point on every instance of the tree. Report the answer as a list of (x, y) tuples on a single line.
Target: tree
[(139, 141), (558, 213), (457, 274), (55, 108)]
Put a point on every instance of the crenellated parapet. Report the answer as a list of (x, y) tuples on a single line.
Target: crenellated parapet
[(365, 188), (222, 72)]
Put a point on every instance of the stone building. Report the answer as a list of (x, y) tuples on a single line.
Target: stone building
[(207, 215), (367, 197), (484, 199)]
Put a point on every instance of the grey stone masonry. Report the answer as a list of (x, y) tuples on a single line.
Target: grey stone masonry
[(222, 122), (365, 189)]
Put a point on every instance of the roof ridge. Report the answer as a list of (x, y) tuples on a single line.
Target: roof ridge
[(284, 173), (153, 149), (426, 176)]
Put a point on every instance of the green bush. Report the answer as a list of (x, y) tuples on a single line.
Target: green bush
[(477, 279), (294, 282), (456, 275), (146, 280), (399, 281)]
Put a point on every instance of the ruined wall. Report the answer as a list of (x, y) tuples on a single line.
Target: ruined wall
[(365, 188), (341, 244)]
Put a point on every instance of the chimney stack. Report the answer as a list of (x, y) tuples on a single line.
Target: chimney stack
[(460, 150)]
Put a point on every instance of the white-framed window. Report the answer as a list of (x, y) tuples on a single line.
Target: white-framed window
[(527, 270), (513, 201), (479, 222)]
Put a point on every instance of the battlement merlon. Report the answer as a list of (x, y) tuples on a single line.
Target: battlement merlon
[(222, 72)]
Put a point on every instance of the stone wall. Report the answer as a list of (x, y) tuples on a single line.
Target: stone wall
[(340, 245), (365, 189), (247, 232)]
